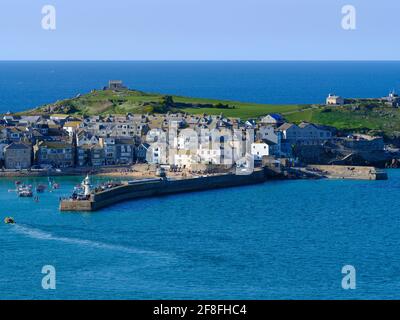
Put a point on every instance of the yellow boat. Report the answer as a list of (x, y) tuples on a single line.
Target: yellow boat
[(9, 220)]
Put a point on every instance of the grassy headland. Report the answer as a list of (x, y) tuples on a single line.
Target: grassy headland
[(360, 115), (377, 119), (132, 101)]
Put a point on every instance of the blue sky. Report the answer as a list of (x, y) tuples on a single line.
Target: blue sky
[(199, 30)]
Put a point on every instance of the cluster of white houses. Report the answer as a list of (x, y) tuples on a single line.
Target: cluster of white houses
[(61, 141)]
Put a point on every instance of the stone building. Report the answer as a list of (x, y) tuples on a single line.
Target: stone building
[(97, 156), (58, 154), (118, 150), (303, 134), (18, 156), (116, 85)]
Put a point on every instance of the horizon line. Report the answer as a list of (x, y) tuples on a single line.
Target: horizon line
[(194, 60)]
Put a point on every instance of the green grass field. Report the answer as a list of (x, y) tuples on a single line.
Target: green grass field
[(362, 116), (246, 111), (384, 119), (109, 102)]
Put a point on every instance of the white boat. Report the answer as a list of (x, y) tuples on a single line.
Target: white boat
[(25, 191)]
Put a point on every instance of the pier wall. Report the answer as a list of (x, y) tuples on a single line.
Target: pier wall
[(70, 205), (350, 172), (167, 187), (160, 188)]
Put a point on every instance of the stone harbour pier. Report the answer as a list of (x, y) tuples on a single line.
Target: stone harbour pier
[(159, 187)]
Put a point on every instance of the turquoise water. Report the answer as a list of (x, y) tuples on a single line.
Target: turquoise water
[(28, 84), (281, 239)]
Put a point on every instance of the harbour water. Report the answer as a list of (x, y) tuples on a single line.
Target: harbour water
[(280, 239)]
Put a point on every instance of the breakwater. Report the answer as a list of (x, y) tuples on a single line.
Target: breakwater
[(348, 172), (160, 187)]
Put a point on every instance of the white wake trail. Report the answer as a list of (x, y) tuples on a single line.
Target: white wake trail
[(43, 235)]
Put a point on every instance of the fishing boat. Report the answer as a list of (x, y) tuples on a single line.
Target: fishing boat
[(25, 191), (9, 220)]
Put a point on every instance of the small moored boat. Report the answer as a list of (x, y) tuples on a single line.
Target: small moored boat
[(9, 220), (25, 191)]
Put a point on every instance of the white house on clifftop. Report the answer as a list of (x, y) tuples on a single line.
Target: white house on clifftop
[(334, 100)]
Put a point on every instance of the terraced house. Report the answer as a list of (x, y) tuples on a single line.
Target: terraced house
[(118, 150), (85, 143), (113, 126), (18, 156), (97, 155), (57, 154), (303, 134)]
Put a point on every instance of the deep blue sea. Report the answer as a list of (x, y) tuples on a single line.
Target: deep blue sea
[(29, 84), (278, 240)]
